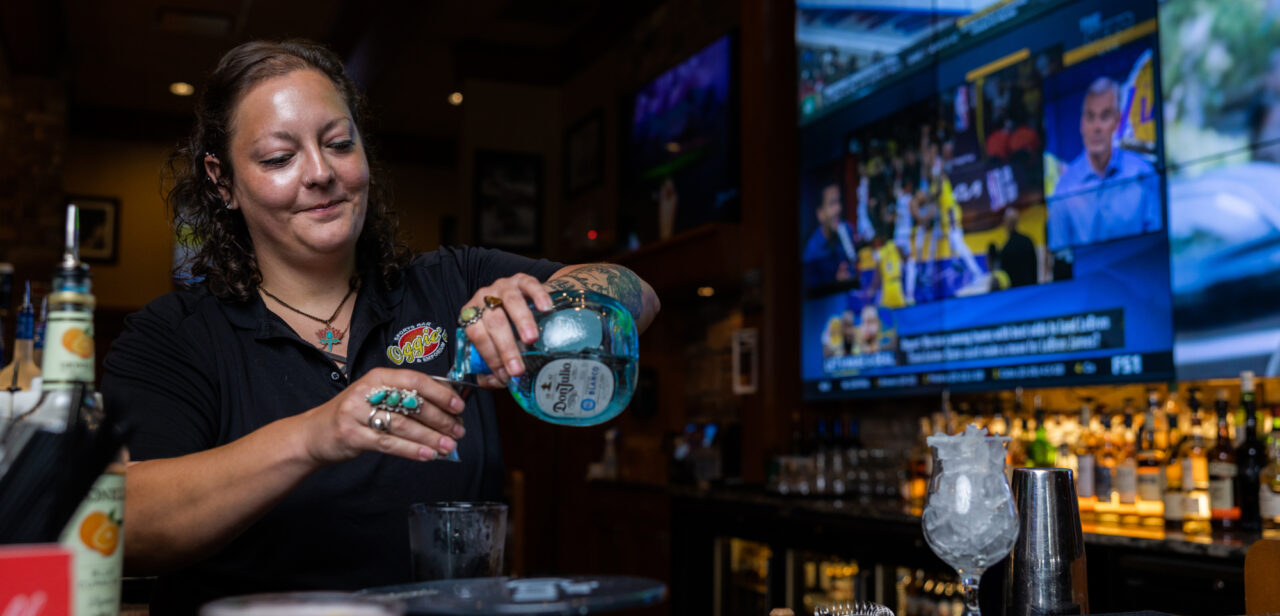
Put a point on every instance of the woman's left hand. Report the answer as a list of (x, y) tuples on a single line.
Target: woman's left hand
[(505, 313)]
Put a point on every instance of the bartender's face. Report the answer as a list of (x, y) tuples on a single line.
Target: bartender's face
[(1098, 123), (301, 176)]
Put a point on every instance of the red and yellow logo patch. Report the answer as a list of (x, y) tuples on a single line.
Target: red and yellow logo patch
[(417, 344)]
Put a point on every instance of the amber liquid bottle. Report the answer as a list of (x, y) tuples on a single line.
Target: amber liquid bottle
[(1224, 504), (1195, 480)]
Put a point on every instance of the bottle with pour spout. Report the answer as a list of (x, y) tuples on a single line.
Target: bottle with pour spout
[(17, 376), (53, 456)]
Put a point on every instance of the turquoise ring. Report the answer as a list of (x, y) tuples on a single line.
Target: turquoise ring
[(403, 401)]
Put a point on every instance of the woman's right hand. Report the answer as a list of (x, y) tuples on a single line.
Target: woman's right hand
[(340, 429)]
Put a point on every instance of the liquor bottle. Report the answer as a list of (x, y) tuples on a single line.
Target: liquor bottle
[(582, 369), (37, 339), (1107, 509), (1170, 414), (52, 480), (18, 374), (1126, 473), (1043, 453), (1173, 490), (1195, 480), (1019, 437), (1086, 443), (1151, 462), (999, 425), (836, 459), (921, 465), (1250, 458), (1269, 482), (821, 444), (1130, 436), (1224, 506)]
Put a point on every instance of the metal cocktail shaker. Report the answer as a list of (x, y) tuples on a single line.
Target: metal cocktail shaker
[(1046, 573)]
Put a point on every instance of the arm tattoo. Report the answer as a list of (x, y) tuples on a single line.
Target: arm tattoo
[(615, 281)]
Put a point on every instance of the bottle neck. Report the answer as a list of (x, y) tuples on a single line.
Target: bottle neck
[(467, 360), (1250, 417)]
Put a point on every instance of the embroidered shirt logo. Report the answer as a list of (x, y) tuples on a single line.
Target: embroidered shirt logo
[(419, 343)]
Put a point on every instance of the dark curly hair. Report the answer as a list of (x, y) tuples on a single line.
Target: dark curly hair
[(224, 256)]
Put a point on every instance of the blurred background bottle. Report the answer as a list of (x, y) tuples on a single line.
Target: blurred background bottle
[(17, 375), (1195, 476), (1086, 445), (1150, 459), (1269, 482), (1224, 506), (1042, 453), (1250, 458)]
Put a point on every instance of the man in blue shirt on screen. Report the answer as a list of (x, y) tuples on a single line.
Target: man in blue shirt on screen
[(1107, 192), (829, 255)]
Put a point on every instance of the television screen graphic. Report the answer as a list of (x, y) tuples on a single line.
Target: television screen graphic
[(680, 161), (933, 255), (1100, 166), (846, 50)]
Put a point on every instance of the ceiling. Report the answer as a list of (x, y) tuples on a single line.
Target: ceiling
[(117, 58)]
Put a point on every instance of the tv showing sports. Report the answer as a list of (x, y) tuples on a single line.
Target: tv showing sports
[(1221, 111), (986, 208), (680, 160)]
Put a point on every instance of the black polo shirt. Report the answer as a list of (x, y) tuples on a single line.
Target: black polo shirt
[(192, 372)]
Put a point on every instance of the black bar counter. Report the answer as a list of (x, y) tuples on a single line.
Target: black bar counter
[(1129, 568)]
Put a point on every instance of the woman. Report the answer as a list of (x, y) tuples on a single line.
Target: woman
[(260, 465)]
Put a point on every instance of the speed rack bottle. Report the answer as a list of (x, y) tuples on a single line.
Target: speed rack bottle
[(581, 371), (61, 473), (94, 534)]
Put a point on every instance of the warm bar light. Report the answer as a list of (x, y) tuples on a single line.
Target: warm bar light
[(455, 99), (181, 88), (706, 291)]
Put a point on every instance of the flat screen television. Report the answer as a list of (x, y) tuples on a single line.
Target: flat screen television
[(1221, 113), (680, 152), (982, 198)]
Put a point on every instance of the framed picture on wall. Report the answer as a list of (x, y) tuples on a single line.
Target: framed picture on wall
[(99, 227), (508, 200), (584, 154)]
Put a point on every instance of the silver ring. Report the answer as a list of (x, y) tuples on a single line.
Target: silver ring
[(381, 424)]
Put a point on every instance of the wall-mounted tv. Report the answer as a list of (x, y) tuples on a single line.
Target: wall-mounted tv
[(982, 196), (680, 149), (1221, 113)]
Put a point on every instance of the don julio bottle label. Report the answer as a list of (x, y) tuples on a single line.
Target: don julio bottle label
[(576, 388)]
